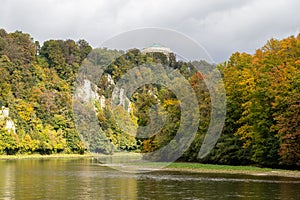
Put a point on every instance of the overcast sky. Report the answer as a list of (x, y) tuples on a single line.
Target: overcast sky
[(221, 26)]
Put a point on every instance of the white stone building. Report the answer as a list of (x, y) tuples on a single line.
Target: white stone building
[(157, 48)]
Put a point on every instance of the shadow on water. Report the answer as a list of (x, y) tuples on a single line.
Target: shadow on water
[(82, 179)]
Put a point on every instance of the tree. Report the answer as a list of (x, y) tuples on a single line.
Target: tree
[(8, 139)]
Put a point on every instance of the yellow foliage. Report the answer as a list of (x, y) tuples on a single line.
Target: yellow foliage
[(24, 110), (170, 102)]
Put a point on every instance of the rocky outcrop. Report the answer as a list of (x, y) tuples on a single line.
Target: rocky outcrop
[(9, 123), (90, 92)]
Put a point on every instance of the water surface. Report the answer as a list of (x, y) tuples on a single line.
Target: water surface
[(85, 179)]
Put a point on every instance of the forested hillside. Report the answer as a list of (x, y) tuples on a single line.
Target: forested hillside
[(263, 105), (36, 86), (262, 93)]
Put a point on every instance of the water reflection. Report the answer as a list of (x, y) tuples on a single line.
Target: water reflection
[(7, 181), (82, 179)]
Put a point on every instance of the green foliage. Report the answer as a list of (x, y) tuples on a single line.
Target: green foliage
[(263, 103), (262, 93), (120, 135), (8, 140), (36, 85), (65, 56)]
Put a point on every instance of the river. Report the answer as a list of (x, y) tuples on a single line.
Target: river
[(85, 179)]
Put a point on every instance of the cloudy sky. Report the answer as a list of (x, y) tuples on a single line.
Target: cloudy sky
[(221, 26)]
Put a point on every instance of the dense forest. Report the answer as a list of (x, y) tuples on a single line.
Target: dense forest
[(38, 82), (36, 86)]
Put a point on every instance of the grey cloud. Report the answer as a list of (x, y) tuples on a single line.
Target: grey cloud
[(221, 26)]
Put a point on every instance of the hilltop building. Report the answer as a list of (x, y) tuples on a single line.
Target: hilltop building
[(156, 47)]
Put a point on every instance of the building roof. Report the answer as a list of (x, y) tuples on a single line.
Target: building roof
[(157, 47)]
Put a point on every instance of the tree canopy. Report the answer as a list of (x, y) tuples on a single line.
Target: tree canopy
[(262, 93)]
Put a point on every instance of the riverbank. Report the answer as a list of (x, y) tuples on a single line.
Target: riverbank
[(39, 156), (176, 166), (248, 170)]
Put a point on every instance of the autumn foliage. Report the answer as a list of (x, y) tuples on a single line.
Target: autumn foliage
[(262, 95)]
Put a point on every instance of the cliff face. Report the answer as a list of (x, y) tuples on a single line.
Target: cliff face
[(103, 116), (9, 123), (89, 92)]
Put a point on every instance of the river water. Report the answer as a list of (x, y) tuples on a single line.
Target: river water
[(83, 179)]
